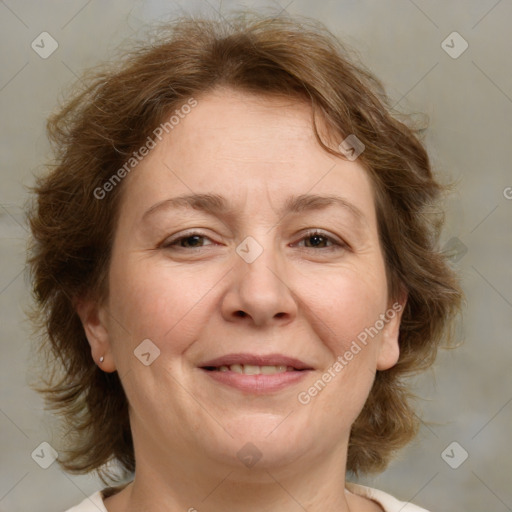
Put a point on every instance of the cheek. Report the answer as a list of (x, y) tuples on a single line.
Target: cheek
[(347, 311), (158, 302), (349, 301)]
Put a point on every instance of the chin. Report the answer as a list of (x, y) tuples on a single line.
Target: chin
[(264, 441), (248, 458)]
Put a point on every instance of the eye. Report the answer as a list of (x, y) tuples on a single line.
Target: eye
[(314, 239), (190, 240), (319, 240)]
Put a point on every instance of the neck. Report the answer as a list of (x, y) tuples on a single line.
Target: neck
[(180, 484)]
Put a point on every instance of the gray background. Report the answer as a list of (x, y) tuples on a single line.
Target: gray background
[(467, 398)]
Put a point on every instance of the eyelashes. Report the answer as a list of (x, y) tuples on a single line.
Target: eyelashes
[(318, 234), (190, 241), (172, 243)]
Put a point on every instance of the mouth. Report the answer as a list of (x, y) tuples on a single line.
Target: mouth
[(253, 364), (256, 374), (251, 369)]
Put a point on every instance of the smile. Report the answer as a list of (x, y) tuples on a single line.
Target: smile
[(251, 369), (256, 374)]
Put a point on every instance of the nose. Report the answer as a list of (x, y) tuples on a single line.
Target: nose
[(260, 292)]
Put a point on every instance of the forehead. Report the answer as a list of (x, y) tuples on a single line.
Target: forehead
[(247, 148)]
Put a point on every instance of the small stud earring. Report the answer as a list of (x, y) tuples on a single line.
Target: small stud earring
[(101, 359)]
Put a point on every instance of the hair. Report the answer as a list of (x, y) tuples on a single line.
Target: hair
[(99, 128)]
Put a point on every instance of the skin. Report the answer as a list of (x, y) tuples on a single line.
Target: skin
[(299, 299)]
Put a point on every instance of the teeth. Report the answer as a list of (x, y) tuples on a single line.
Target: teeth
[(250, 369), (267, 370)]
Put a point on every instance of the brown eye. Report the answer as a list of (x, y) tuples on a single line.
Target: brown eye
[(191, 241), (317, 240), (320, 240), (188, 241)]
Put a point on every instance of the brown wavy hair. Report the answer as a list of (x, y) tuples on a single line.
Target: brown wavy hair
[(117, 107)]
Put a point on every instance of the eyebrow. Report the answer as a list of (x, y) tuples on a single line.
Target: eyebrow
[(215, 204)]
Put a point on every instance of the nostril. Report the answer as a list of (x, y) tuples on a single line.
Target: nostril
[(241, 313)]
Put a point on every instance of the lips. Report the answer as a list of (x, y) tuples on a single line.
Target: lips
[(235, 362), (251, 369), (256, 374)]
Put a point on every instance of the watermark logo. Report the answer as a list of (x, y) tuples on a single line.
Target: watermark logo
[(249, 249), (454, 45), (455, 249), (249, 455), (44, 45), (454, 455), (146, 352), (45, 455), (351, 147)]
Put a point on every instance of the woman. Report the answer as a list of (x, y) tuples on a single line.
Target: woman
[(235, 267)]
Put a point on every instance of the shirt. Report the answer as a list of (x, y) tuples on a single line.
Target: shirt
[(94, 503)]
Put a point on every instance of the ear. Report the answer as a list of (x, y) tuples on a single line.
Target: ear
[(389, 350), (94, 318)]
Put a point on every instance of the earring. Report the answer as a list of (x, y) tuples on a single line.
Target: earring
[(101, 359)]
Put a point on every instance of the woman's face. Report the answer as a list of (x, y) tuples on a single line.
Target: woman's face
[(277, 277)]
